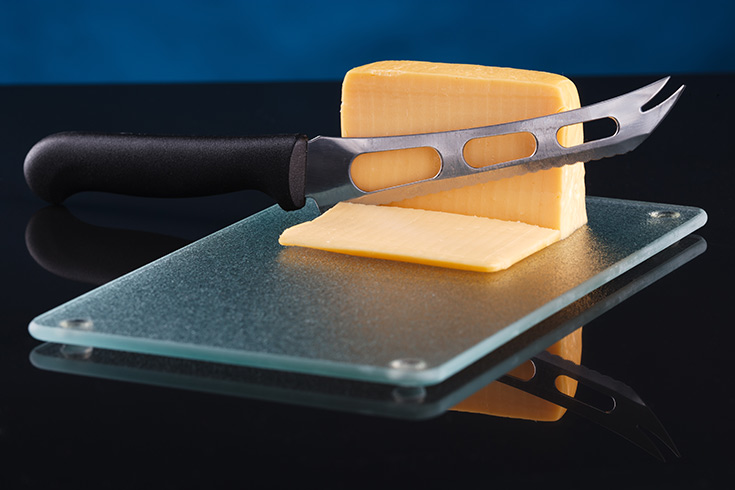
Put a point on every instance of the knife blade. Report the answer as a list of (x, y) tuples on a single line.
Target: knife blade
[(291, 168)]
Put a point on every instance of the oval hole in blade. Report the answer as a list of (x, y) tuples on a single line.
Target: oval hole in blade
[(588, 131), (379, 170), (491, 150), (585, 394), (523, 372)]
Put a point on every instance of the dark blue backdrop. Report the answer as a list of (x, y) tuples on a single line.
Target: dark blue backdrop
[(71, 41)]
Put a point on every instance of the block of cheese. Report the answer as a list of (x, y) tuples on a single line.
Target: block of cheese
[(405, 97), (502, 400), (417, 235)]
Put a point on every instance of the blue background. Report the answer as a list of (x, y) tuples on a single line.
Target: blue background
[(85, 41)]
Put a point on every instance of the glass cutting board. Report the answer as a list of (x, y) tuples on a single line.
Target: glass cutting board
[(238, 297), (358, 396)]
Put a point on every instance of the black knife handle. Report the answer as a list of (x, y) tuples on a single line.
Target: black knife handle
[(168, 166)]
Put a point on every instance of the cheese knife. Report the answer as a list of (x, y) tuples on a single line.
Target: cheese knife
[(291, 168)]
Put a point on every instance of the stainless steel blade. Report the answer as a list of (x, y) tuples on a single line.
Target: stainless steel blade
[(328, 178)]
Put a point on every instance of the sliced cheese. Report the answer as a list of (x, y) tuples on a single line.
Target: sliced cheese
[(421, 236), (501, 400), (405, 97)]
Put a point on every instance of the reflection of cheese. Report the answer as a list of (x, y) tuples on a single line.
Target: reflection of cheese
[(502, 400), (404, 97)]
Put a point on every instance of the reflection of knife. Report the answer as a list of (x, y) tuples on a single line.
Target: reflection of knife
[(169, 166), (70, 248), (613, 404)]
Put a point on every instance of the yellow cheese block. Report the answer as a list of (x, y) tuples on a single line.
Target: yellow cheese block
[(501, 222), (421, 236), (405, 97), (501, 400)]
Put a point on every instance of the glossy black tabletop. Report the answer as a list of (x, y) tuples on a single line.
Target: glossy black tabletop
[(670, 342)]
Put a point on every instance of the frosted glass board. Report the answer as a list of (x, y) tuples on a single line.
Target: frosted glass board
[(357, 396), (238, 297)]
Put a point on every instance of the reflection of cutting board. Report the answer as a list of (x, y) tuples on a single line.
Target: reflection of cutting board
[(238, 297)]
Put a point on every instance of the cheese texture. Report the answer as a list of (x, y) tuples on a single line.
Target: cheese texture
[(415, 235), (501, 400), (406, 97)]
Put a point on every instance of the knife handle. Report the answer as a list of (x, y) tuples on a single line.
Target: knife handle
[(168, 166)]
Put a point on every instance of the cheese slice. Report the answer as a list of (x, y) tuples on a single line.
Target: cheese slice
[(421, 236), (501, 400), (405, 97)]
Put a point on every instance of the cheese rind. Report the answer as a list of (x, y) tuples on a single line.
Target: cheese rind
[(420, 236)]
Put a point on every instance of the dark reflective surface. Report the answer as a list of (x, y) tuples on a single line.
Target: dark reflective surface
[(670, 342), (68, 247)]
